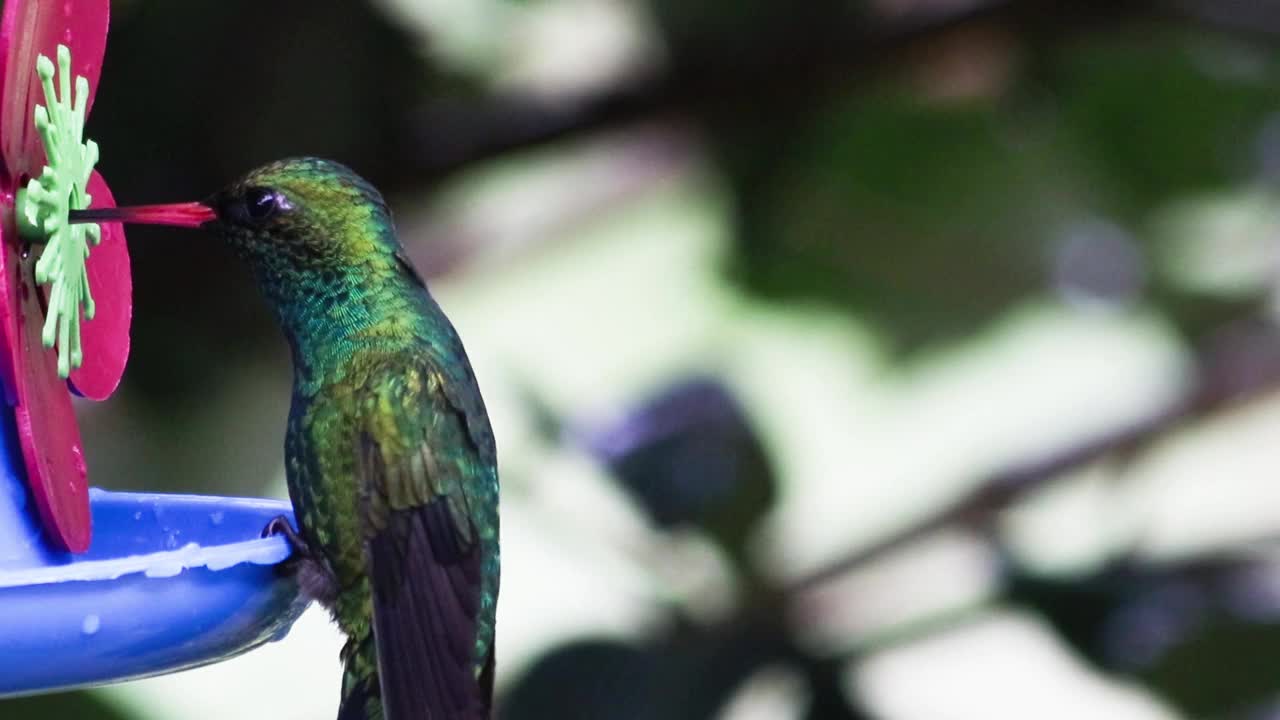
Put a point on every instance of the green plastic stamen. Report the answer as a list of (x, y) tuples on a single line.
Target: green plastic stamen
[(43, 209)]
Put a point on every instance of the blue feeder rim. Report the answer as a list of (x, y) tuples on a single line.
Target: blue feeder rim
[(170, 582)]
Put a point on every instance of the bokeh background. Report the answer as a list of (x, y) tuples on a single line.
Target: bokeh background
[(900, 359)]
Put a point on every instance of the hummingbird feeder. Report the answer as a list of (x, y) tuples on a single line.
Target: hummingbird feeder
[(95, 586)]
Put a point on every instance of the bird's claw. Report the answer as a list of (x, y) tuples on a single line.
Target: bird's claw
[(280, 525), (314, 577)]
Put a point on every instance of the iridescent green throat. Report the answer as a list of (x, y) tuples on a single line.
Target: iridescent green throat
[(329, 264)]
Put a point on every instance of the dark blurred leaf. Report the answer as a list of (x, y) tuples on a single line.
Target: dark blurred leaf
[(828, 698), (1204, 636), (908, 214), (690, 457), (689, 675), (719, 36), (1269, 710), (80, 705), (1157, 115), (1229, 663), (1224, 669), (1118, 618), (931, 217), (597, 679), (928, 220)]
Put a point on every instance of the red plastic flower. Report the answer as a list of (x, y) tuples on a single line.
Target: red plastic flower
[(46, 422)]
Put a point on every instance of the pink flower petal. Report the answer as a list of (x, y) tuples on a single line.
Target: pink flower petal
[(29, 28), (46, 421), (9, 360), (105, 338)]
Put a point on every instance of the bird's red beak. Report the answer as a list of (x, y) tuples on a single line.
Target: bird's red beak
[(192, 214)]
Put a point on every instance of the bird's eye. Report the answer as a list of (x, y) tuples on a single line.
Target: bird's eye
[(261, 203)]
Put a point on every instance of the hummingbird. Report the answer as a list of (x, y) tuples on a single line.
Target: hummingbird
[(389, 454)]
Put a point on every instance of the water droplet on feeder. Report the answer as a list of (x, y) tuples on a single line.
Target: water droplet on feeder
[(91, 624), (217, 517)]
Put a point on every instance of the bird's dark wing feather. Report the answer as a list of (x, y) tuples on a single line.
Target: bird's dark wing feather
[(362, 702), (424, 557)]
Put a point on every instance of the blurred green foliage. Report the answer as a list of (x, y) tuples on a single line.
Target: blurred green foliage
[(62, 705)]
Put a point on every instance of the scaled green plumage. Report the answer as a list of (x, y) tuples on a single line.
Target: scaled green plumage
[(389, 453)]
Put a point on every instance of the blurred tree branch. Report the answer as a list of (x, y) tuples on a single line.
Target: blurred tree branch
[(768, 73), (1241, 362)]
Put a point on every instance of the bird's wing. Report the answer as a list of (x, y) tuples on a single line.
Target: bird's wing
[(419, 468)]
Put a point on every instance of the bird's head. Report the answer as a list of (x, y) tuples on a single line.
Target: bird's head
[(301, 223), (301, 214)]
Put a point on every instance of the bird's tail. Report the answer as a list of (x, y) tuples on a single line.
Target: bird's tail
[(361, 694)]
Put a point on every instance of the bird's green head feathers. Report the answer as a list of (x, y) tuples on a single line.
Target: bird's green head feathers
[(303, 214), (316, 235), (311, 228)]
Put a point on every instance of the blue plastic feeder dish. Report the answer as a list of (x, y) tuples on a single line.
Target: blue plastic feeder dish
[(170, 582)]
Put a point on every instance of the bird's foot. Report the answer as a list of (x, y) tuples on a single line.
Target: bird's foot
[(280, 525), (314, 576)]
